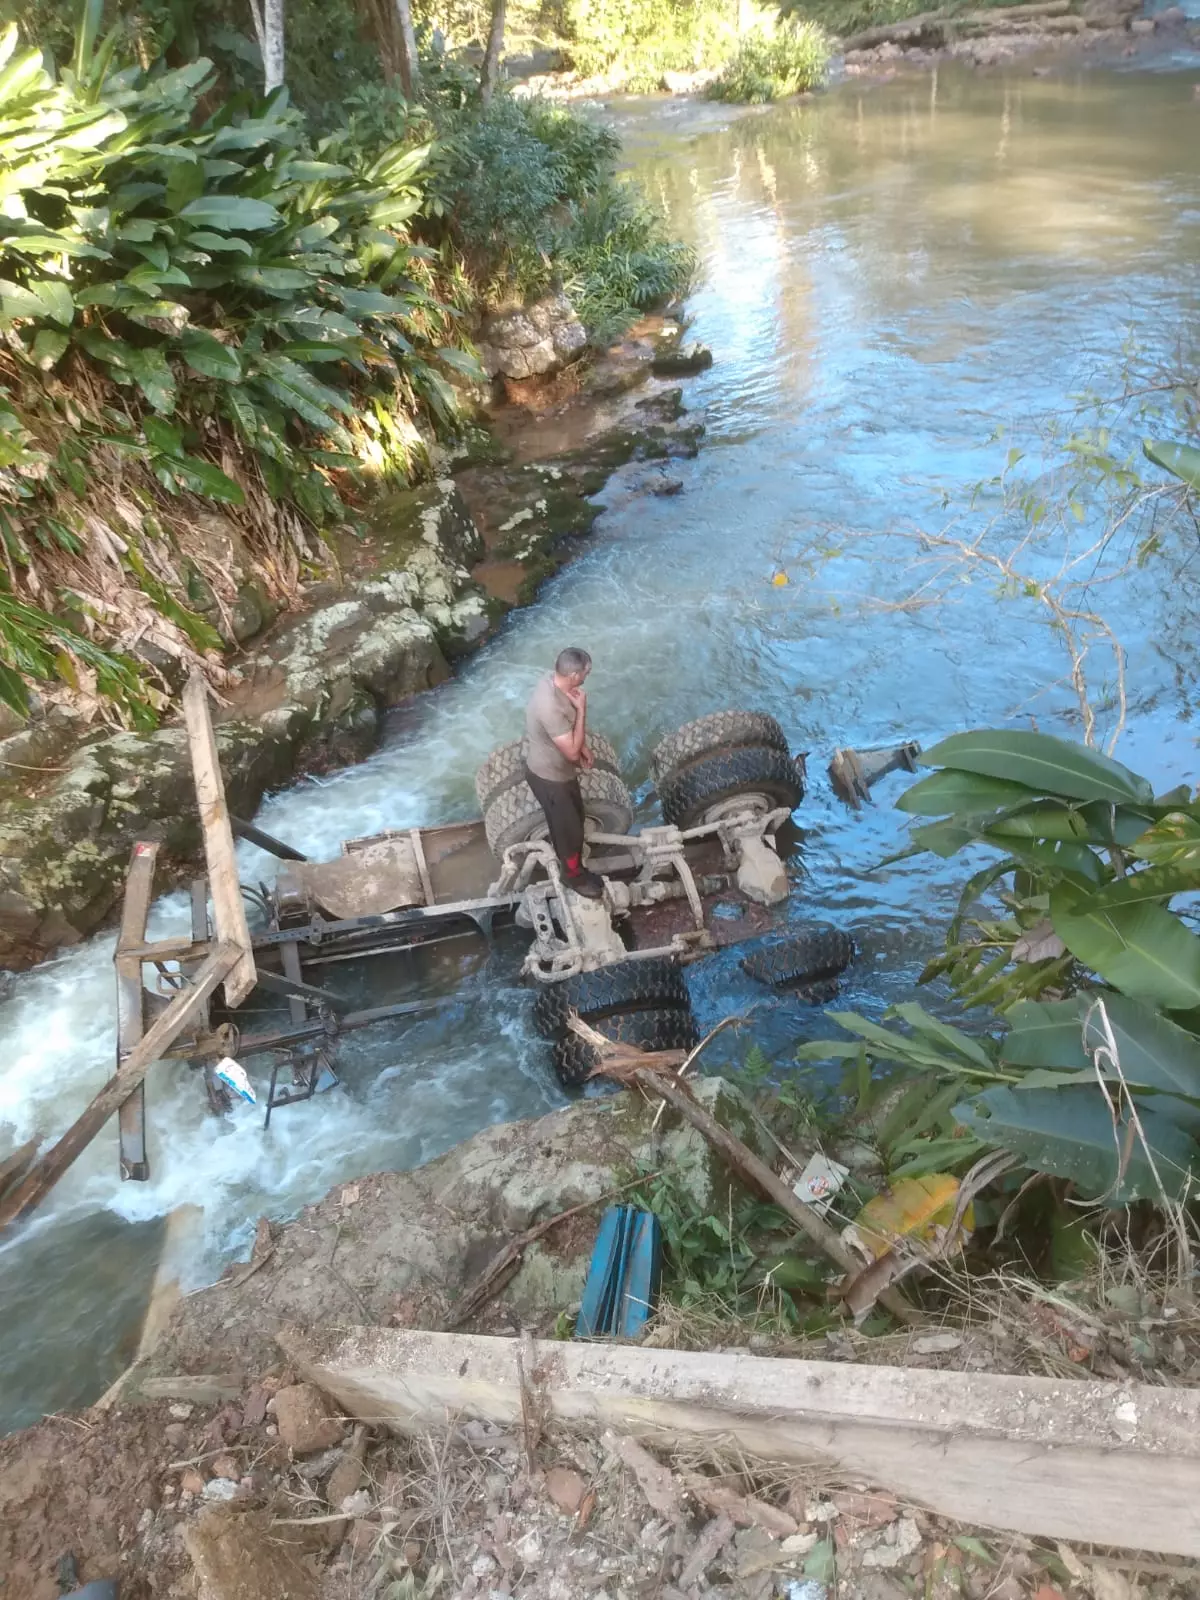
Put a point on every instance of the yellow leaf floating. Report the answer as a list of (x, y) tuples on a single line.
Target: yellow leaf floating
[(913, 1209), (781, 580)]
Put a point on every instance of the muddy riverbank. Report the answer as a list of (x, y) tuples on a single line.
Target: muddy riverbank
[(436, 572)]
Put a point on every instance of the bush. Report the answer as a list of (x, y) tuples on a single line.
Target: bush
[(618, 259), (769, 66), (532, 196), (636, 41)]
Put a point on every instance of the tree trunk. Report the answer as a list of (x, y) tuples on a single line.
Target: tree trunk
[(495, 49), (268, 25), (409, 73)]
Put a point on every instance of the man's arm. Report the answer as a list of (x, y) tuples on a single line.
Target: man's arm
[(574, 744)]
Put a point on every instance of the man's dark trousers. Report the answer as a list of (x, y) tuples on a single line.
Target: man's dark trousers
[(563, 805)]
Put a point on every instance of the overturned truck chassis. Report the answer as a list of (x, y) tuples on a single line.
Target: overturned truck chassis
[(667, 889)]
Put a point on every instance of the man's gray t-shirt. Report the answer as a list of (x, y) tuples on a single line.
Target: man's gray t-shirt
[(548, 716)]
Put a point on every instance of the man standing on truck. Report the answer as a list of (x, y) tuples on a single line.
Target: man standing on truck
[(556, 731)]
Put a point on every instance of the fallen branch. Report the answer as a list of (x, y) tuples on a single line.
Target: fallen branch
[(645, 1069), (939, 23), (504, 1264)]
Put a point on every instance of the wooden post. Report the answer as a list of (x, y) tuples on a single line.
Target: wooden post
[(135, 910), (229, 911), (1060, 1458), (42, 1177)]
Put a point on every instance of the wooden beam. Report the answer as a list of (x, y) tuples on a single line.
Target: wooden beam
[(181, 1011), (1103, 1463), (229, 911), (135, 912)]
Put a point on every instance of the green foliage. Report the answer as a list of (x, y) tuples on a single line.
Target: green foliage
[(617, 259), (742, 1265), (1101, 1087), (636, 41), (790, 59), (219, 296), (532, 196)]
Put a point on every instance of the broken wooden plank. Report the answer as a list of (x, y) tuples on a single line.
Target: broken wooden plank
[(14, 1165), (1104, 1463), (418, 849), (181, 1011), (229, 911), (131, 1020)]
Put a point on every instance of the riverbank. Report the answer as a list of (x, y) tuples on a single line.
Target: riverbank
[(214, 1468), (308, 692)]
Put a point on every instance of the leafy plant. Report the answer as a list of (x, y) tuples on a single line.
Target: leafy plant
[(769, 65), (1097, 977), (195, 306), (636, 41)]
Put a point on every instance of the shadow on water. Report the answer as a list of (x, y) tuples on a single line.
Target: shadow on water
[(889, 276)]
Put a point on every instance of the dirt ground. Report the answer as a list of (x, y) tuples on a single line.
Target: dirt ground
[(182, 1499)]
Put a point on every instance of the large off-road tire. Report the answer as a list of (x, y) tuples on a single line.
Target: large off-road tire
[(506, 766), (721, 730), (626, 986), (574, 1058), (807, 956), (515, 815), (761, 776)]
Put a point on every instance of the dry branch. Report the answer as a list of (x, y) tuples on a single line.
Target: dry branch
[(645, 1070)]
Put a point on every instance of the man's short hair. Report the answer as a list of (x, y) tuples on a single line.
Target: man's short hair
[(572, 660)]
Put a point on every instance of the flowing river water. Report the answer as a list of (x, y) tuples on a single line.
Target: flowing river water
[(890, 275)]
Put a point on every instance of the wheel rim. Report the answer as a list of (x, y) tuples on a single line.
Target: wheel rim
[(753, 801)]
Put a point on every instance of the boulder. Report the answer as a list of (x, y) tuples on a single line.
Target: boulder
[(305, 1420), (680, 360), (532, 341)]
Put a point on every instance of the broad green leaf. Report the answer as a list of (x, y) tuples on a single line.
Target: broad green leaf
[(151, 371), (942, 1033), (1042, 820), (943, 839), (1141, 949), (219, 243), (1040, 762), (164, 436), (154, 313), (18, 301), (282, 281), (1071, 1134), (1154, 1052), (1061, 858), (185, 185), (369, 302), (1173, 839), (204, 478), (391, 213), (229, 213), (1044, 1033), (1181, 460), (48, 348), (1154, 883), (210, 358), (56, 300), (314, 171)]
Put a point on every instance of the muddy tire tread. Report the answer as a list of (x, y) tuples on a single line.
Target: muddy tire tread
[(505, 767), (720, 730), (515, 815), (810, 954), (659, 1029), (624, 987), (756, 769)]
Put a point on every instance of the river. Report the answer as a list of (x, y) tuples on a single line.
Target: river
[(891, 277)]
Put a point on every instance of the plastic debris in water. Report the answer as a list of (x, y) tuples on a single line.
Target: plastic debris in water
[(806, 1589), (230, 1073)]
